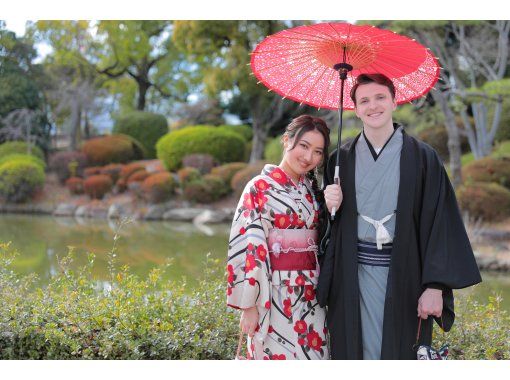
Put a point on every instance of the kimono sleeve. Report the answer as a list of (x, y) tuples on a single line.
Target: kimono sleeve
[(248, 264), (447, 258)]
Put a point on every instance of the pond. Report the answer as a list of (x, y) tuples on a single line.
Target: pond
[(42, 240)]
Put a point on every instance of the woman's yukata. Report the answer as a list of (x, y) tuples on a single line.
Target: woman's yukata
[(272, 264)]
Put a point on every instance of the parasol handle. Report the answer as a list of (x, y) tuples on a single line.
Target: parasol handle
[(336, 180)]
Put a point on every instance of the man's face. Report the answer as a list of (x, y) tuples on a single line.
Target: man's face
[(374, 106)]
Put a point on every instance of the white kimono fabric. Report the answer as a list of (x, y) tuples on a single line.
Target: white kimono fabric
[(292, 325), (377, 185)]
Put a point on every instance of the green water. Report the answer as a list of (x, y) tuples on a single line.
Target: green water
[(41, 240)]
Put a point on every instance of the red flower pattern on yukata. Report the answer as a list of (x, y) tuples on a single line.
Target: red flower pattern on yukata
[(287, 307), (314, 340), (230, 271), (260, 200), (279, 357), (252, 281), (309, 198), (309, 293), (250, 263), (300, 326), (279, 176), (267, 305), (261, 185), (300, 280), (261, 252), (248, 202), (282, 221)]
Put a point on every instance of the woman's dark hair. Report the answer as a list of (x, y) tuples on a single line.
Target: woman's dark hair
[(381, 79), (295, 130)]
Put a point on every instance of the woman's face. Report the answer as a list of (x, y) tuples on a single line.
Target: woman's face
[(305, 156)]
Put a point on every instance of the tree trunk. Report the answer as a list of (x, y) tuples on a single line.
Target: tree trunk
[(75, 122), (259, 141), (453, 138), (86, 127), (142, 94)]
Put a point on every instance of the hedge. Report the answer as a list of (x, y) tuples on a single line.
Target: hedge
[(21, 147), (145, 127), (19, 179), (485, 200), (150, 318), (116, 148), (488, 169), (224, 146)]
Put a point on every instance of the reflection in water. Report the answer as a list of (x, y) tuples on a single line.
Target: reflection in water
[(42, 240)]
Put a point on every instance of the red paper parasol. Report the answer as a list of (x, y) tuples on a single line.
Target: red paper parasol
[(298, 63), (316, 64)]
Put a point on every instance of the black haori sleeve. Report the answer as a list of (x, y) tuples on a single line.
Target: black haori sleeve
[(447, 258)]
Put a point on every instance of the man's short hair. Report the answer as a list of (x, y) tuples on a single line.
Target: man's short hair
[(381, 79)]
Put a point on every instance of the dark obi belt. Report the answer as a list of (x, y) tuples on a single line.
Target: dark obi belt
[(368, 254), (293, 249)]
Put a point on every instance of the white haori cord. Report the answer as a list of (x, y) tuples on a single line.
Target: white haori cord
[(381, 233)]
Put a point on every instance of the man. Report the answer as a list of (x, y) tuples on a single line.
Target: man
[(398, 245)]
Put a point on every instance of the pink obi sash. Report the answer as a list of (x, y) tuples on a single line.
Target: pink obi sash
[(293, 249)]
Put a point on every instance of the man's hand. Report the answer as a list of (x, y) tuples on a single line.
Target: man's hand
[(333, 196), (430, 303), (249, 321)]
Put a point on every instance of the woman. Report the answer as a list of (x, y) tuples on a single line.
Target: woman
[(272, 265)]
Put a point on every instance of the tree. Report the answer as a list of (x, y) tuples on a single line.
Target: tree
[(471, 53), (221, 50), (22, 102)]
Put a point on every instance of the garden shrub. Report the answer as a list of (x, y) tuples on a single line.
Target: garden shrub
[(23, 157), (97, 186), (203, 162), (488, 169), (20, 179), (243, 176), (159, 187), (112, 170), (437, 138), (152, 318), (137, 176), (121, 185), (21, 147), (227, 171), (75, 185), (61, 164), (245, 131), (145, 127), (207, 189), (224, 146), (187, 175), (116, 148), (130, 168), (273, 151), (93, 170), (485, 200)]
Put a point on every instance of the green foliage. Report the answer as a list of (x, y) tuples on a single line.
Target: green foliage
[(273, 152), (112, 149), (131, 318), (207, 189), (244, 131), (187, 175), (484, 200), (62, 163), (227, 171), (21, 147), (243, 176), (224, 146), (145, 127), (488, 169), (23, 158), (19, 179)]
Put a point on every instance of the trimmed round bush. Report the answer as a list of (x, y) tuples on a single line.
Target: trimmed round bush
[(217, 185), (245, 131), (227, 171), (203, 162), (273, 152), (20, 179), (93, 170), (75, 185), (112, 170), (21, 147), (205, 190), (145, 127), (224, 146), (121, 185), (488, 201), (437, 138), (187, 175), (243, 176), (23, 157), (488, 169), (116, 148), (159, 187), (97, 186), (138, 176), (128, 169), (62, 164)]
